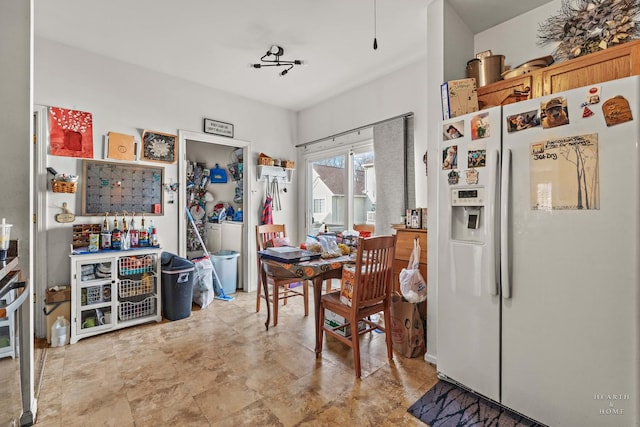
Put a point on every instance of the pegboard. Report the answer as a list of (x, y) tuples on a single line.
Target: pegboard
[(117, 187)]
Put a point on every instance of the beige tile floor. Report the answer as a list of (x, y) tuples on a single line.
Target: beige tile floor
[(220, 367)]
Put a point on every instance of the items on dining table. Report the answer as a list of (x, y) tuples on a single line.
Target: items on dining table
[(329, 246)]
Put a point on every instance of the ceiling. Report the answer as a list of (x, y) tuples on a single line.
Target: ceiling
[(213, 42)]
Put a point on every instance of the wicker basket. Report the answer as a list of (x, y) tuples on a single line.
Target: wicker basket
[(265, 161), (63, 186), (288, 164)]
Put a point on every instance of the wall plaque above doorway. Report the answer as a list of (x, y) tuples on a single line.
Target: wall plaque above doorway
[(218, 128)]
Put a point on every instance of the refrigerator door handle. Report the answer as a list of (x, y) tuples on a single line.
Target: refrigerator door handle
[(495, 209), (504, 224)]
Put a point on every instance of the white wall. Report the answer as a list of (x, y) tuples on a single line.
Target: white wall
[(517, 38), (127, 99), (398, 93), (15, 122)]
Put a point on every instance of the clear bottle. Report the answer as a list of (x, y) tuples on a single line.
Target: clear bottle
[(126, 242), (116, 234), (60, 332), (153, 234), (133, 232)]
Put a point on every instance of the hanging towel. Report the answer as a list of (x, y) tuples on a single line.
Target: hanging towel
[(267, 211), (275, 194)]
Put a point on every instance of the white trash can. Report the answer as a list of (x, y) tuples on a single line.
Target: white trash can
[(226, 266)]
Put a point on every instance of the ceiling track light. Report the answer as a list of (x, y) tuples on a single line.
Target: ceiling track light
[(276, 51)]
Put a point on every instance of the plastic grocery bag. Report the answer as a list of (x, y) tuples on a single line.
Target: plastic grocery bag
[(203, 281), (412, 284)]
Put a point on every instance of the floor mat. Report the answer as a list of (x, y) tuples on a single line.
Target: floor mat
[(447, 405)]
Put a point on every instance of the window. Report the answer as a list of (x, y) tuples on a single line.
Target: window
[(365, 175), (342, 187), (319, 206)]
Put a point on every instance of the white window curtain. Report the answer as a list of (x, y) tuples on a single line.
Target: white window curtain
[(395, 171)]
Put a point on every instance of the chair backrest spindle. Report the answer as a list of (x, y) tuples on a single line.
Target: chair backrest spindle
[(373, 269)]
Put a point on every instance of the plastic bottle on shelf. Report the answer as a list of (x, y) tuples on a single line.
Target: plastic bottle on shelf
[(105, 234), (126, 242), (116, 235), (60, 332), (133, 232), (143, 234), (153, 234)]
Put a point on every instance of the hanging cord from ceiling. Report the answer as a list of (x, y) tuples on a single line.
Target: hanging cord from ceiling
[(375, 16)]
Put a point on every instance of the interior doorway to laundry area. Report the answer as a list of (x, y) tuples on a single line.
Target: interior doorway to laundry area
[(214, 193)]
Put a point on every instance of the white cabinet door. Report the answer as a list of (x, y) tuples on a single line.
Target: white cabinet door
[(93, 296), (214, 237)]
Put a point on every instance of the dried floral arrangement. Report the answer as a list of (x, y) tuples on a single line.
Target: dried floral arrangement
[(586, 26)]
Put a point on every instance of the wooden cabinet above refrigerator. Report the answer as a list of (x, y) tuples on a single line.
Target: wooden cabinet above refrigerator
[(609, 64)]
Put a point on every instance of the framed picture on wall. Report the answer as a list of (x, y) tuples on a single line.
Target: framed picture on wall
[(159, 147), (70, 133)]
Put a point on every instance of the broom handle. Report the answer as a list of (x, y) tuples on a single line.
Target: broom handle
[(206, 252), (195, 229)]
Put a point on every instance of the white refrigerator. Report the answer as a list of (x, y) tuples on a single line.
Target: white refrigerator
[(539, 257)]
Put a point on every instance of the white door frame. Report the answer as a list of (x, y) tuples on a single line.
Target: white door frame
[(39, 223), (248, 238)]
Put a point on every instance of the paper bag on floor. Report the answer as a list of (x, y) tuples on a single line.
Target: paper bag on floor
[(407, 327)]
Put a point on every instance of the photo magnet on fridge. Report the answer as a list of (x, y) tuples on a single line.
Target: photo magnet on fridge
[(453, 130), (521, 121), (450, 157), (554, 112), (477, 158), (480, 126)]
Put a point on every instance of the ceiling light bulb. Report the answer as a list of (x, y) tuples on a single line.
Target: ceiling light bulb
[(276, 50)]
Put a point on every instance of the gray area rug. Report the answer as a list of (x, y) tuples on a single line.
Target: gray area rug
[(447, 405)]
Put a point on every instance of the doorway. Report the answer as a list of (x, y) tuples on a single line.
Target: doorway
[(201, 155)]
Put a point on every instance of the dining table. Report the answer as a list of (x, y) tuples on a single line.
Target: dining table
[(316, 270)]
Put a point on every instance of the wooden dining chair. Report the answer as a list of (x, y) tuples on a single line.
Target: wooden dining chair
[(280, 289), (366, 230), (372, 289)]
